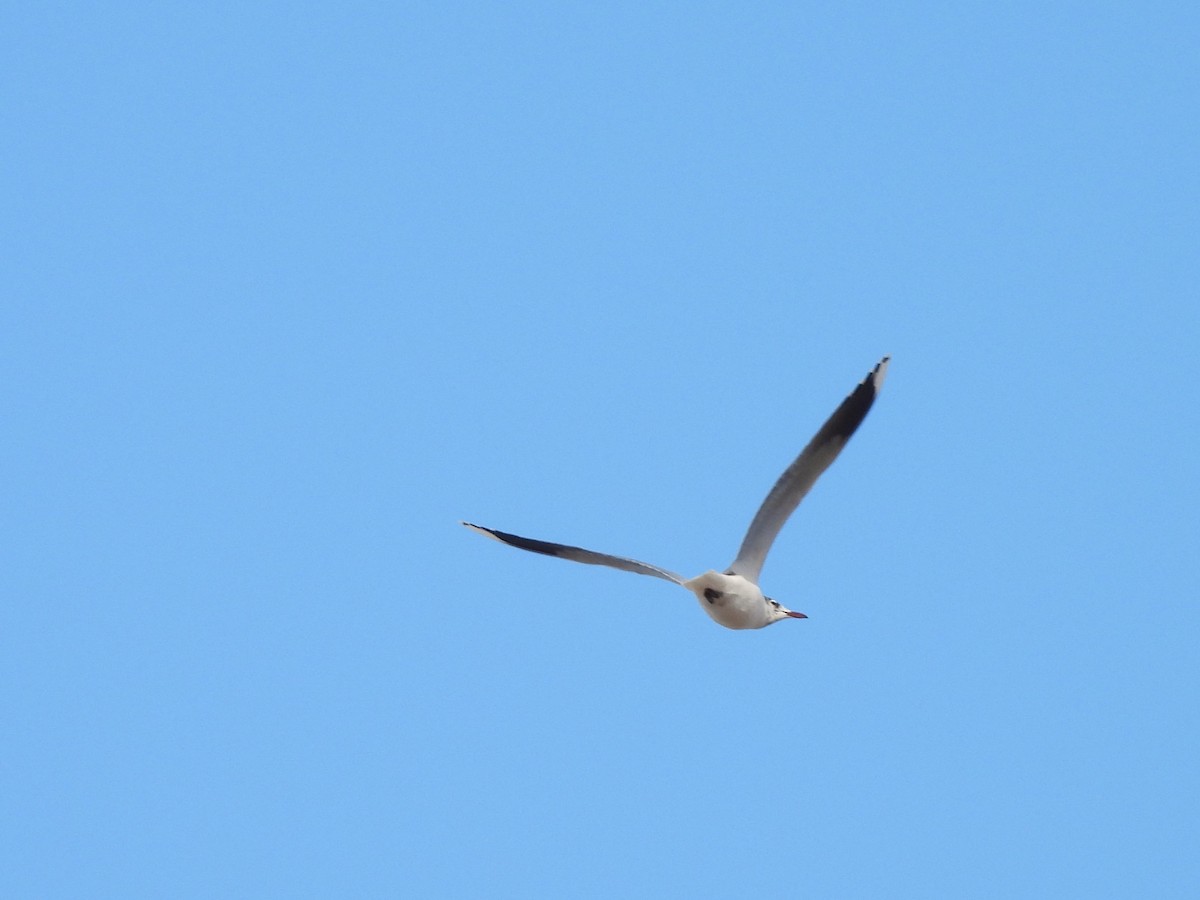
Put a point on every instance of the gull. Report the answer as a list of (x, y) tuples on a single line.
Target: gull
[(733, 598)]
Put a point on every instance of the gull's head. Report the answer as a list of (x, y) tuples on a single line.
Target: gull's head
[(779, 611)]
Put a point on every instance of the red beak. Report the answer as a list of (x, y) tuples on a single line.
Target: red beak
[(796, 615)]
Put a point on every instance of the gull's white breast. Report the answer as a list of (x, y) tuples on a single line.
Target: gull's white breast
[(731, 600)]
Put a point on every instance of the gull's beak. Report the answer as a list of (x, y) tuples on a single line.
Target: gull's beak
[(796, 615)]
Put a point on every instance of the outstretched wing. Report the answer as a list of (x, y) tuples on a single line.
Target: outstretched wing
[(800, 476), (576, 554)]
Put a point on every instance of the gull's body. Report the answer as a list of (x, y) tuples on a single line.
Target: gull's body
[(733, 598), (735, 601)]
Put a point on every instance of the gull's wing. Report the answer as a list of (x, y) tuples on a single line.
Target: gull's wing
[(576, 554), (800, 476)]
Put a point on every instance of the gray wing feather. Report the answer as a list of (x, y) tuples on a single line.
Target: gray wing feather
[(576, 554), (802, 474)]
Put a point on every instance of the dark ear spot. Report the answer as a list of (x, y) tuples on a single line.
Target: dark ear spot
[(711, 595)]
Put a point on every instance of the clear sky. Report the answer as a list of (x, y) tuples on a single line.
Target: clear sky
[(289, 289)]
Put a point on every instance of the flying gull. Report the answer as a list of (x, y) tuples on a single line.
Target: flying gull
[(733, 598)]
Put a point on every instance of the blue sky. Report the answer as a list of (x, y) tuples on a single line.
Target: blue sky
[(290, 289)]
